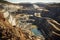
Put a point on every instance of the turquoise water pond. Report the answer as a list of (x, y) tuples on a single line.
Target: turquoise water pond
[(36, 32)]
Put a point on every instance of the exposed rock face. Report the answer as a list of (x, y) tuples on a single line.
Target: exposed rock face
[(54, 12), (11, 33), (8, 32), (48, 27), (14, 33)]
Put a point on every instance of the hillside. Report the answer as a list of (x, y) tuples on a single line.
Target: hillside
[(27, 21)]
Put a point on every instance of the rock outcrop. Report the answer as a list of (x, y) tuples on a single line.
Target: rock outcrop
[(9, 32)]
